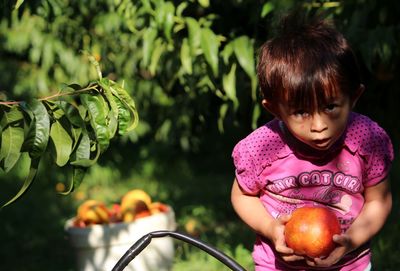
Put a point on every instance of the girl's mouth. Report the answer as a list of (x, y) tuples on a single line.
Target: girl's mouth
[(321, 142)]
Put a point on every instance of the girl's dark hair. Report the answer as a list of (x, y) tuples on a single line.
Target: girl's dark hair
[(307, 63)]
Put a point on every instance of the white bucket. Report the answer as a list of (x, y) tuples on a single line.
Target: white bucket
[(99, 247)]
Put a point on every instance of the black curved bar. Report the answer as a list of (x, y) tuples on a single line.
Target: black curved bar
[(144, 241)]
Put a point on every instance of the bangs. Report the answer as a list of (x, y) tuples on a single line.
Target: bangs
[(307, 65), (301, 79), (309, 91)]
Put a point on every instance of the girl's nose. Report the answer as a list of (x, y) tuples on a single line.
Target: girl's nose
[(317, 123)]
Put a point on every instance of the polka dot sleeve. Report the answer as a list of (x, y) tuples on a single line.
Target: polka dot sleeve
[(380, 158), (245, 168), (366, 138)]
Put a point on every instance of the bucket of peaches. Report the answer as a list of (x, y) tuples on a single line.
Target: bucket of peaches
[(100, 235)]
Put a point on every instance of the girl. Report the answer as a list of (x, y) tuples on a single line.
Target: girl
[(315, 152)]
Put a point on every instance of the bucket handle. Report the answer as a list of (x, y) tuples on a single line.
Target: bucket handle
[(142, 243)]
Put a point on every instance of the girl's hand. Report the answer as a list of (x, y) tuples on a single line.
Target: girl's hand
[(344, 247), (278, 238)]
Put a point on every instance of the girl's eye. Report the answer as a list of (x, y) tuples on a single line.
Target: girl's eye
[(331, 107), (300, 113)]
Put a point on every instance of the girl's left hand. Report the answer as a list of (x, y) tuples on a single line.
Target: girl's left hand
[(344, 247)]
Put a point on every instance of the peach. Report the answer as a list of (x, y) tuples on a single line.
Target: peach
[(310, 230)]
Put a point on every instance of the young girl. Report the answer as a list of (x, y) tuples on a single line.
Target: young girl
[(315, 152)]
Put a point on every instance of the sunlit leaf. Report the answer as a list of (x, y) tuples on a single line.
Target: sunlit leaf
[(112, 118), (129, 103), (204, 3), (222, 113), (18, 4), (229, 84), (159, 48), (180, 8), (210, 44), (62, 143), (194, 35), (159, 14), (81, 156), (186, 59), (12, 137), (76, 134), (244, 51), (124, 116), (227, 52), (87, 162), (148, 43), (82, 150), (72, 113), (266, 9), (39, 130), (169, 10), (98, 111)]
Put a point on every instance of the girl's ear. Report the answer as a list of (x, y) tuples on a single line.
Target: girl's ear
[(359, 92), (269, 107)]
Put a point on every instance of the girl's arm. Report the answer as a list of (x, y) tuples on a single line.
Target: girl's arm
[(253, 213), (376, 209)]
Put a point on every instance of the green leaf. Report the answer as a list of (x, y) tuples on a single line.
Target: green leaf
[(159, 13), (112, 118), (18, 4), (83, 148), (98, 111), (169, 10), (194, 35), (78, 173), (128, 103), (62, 143), (227, 52), (159, 48), (210, 44), (244, 52), (229, 84), (76, 133), (186, 59), (180, 8), (204, 3), (222, 113), (12, 137), (81, 156), (56, 111), (72, 113), (148, 42), (266, 9), (87, 162), (124, 116), (28, 181), (39, 130)]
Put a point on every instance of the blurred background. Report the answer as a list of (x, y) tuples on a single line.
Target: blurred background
[(190, 67)]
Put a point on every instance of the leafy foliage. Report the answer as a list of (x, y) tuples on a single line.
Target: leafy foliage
[(78, 125), (189, 64)]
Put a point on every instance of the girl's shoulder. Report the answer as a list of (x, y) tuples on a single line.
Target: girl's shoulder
[(265, 144), (365, 136)]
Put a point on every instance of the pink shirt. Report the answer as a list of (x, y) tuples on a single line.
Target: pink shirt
[(287, 175)]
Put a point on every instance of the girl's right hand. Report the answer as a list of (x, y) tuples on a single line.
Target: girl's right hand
[(278, 239)]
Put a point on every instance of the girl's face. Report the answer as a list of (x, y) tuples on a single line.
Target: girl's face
[(321, 129)]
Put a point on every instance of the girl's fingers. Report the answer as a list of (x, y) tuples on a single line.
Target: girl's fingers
[(284, 218), (292, 258), (284, 249)]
